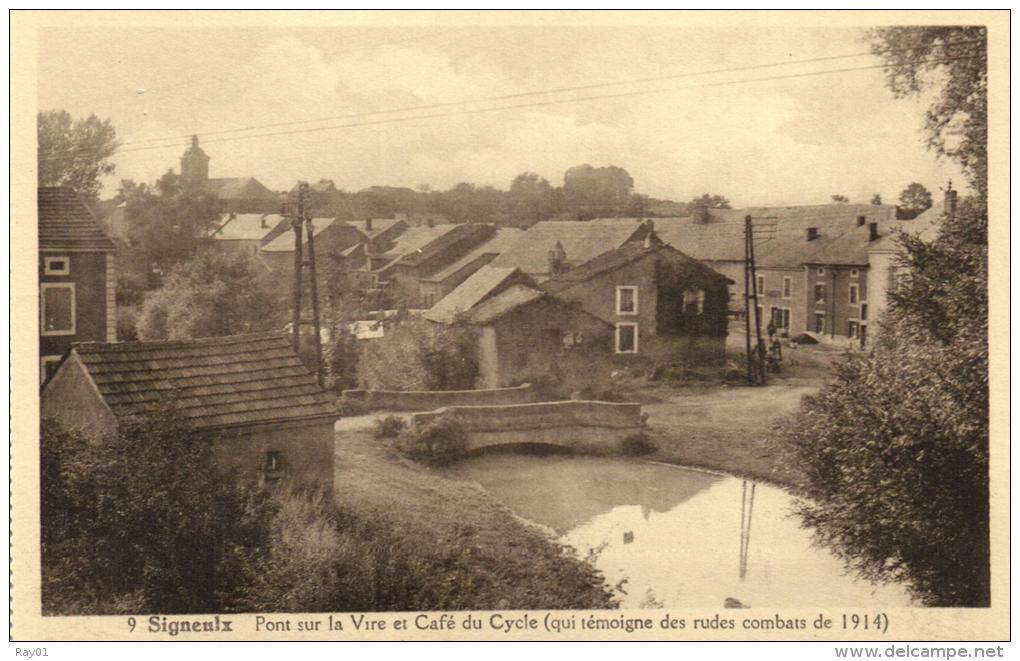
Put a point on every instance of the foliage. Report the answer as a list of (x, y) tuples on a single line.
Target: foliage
[(532, 198), (75, 153), (389, 427), (418, 355), (637, 444), (954, 60), (168, 223), (141, 522), (707, 201), (895, 452), (341, 358), (590, 192), (915, 199), (212, 294), (876, 199), (127, 323), (438, 442), (840, 199)]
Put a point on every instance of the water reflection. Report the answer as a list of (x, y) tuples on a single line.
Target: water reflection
[(665, 534)]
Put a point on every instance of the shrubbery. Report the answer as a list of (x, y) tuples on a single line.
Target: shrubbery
[(437, 442), (638, 444), (389, 427), (418, 355)]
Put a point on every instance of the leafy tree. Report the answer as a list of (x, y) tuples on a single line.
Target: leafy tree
[(707, 201), (915, 199), (840, 199), (532, 198), (142, 522), (418, 355), (168, 223), (75, 153), (954, 60), (590, 191), (213, 294), (876, 199)]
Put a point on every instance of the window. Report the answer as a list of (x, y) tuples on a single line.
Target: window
[(854, 273), (852, 328), (273, 467), (626, 300), (819, 322), (855, 296), (57, 308), (787, 287), (864, 311), (820, 271), (694, 301), (760, 284), (819, 293), (57, 266), (626, 338), (47, 366)]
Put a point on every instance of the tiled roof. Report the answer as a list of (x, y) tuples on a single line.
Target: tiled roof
[(246, 226), (480, 285), (65, 223), (469, 233), (617, 258), (580, 240), (379, 225), (502, 303), (216, 382), (285, 242)]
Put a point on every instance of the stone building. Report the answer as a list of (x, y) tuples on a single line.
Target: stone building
[(77, 277), (238, 194), (249, 395)]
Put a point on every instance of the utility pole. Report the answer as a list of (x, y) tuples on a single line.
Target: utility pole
[(298, 221), (747, 297), (755, 366)]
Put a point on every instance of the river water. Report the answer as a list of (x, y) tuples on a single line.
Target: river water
[(675, 537)]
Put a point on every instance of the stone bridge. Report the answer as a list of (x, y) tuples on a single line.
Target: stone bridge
[(582, 426)]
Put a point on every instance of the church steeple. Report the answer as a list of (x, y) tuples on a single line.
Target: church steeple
[(194, 166)]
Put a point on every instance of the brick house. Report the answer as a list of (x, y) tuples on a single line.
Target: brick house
[(77, 277), (661, 303), (249, 394)]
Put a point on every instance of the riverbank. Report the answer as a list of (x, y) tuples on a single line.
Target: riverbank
[(482, 557)]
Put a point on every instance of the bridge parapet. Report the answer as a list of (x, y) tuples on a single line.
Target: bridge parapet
[(582, 426)]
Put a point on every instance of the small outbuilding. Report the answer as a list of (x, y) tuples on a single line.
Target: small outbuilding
[(249, 394)]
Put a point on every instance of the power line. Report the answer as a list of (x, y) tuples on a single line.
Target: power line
[(534, 104), (505, 97)]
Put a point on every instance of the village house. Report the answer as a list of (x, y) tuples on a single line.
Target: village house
[(331, 238), (435, 286), (238, 194), (660, 303), (77, 277), (250, 395), (379, 266), (481, 285), (248, 232)]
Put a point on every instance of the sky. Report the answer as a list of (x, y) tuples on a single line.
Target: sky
[(767, 142)]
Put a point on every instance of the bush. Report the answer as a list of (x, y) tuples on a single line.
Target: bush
[(438, 442), (389, 427), (418, 355), (638, 444)]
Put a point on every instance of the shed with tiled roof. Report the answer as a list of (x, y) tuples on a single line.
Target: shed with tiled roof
[(250, 394)]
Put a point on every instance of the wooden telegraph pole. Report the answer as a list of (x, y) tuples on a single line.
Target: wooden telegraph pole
[(755, 366), (298, 221), (747, 297)]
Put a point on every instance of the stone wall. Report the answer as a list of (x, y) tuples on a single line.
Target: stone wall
[(583, 426), (427, 400), (304, 450)]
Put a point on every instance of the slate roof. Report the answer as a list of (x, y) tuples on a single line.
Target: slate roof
[(246, 226), (464, 232), (239, 188), (217, 382), (618, 258), (502, 303), (285, 242), (65, 223), (581, 240), (479, 286), (503, 239), (379, 225)]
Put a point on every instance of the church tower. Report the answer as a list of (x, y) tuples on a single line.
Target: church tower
[(194, 166)]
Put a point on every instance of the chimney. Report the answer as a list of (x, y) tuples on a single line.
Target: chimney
[(368, 224), (557, 259), (872, 231), (650, 238), (812, 233), (950, 202), (263, 222), (860, 221)]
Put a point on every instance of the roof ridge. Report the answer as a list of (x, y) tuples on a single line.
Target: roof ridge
[(142, 345)]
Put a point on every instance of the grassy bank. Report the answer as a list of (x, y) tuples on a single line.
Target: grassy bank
[(473, 551)]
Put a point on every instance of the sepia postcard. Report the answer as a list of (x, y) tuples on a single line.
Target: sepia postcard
[(505, 326)]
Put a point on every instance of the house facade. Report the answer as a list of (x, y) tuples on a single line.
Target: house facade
[(250, 395), (77, 277), (661, 304)]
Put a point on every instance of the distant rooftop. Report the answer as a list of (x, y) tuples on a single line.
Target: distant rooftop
[(246, 226), (581, 241), (285, 242)]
